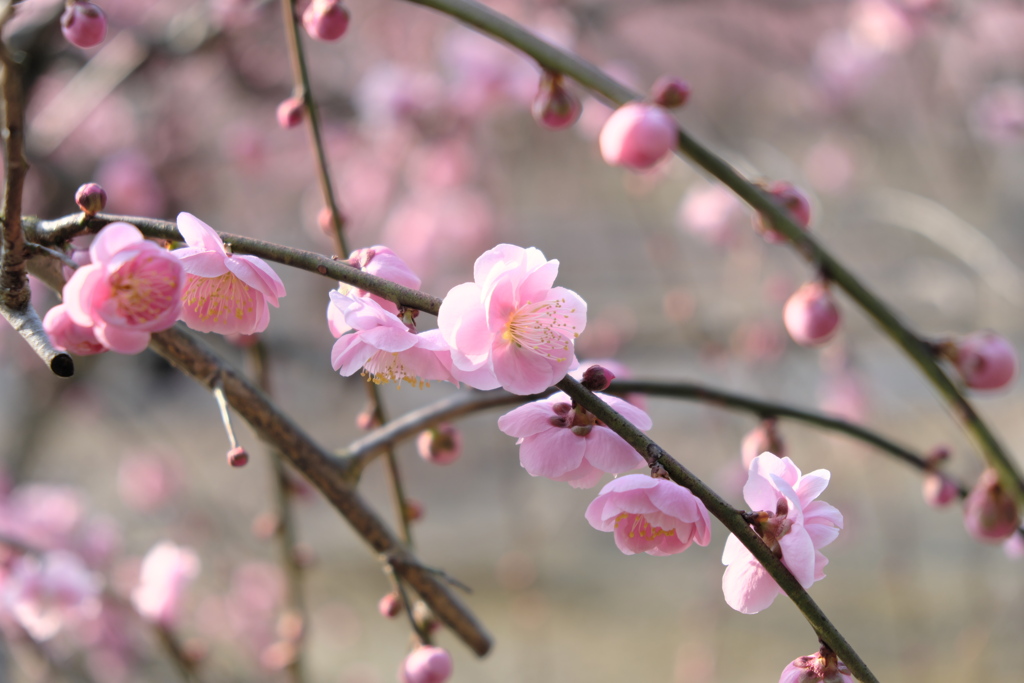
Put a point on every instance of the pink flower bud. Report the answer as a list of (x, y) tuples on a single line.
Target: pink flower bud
[(390, 606), (413, 510), (810, 315), (670, 92), (325, 19), (67, 335), (985, 360), (83, 24), (762, 438), (792, 200), (637, 136), (597, 378), (555, 106), (938, 490), (990, 514), (441, 445), (426, 664), (821, 667), (290, 112), (237, 457), (91, 198)]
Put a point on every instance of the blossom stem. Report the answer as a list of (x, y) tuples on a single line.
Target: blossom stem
[(730, 517), (285, 530), (15, 296), (225, 414), (556, 59)]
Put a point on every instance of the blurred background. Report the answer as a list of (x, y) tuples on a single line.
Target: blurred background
[(901, 119)]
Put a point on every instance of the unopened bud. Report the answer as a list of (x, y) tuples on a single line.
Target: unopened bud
[(555, 106), (413, 510), (83, 24), (597, 378), (441, 445), (810, 314), (670, 92), (290, 112), (91, 198), (426, 664), (938, 489), (390, 605), (990, 514), (637, 135), (325, 19), (237, 457), (985, 360), (792, 200)]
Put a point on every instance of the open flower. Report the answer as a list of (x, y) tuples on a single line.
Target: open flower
[(69, 336), (382, 345), (46, 593), (224, 293), (566, 444), (130, 288), (510, 327), (792, 524), (648, 515), (166, 570)]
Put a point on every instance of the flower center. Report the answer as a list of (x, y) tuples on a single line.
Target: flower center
[(638, 525), (384, 367), (218, 298), (542, 327), (144, 288)]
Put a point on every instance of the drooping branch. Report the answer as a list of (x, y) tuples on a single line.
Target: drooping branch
[(558, 60)]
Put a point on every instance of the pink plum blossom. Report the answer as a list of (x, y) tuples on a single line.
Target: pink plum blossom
[(510, 327), (810, 315), (166, 570), (985, 360), (566, 444), (648, 515), (821, 667), (426, 664), (48, 592), (69, 336), (792, 523), (380, 261), (224, 293), (131, 288), (637, 136), (382, 345)]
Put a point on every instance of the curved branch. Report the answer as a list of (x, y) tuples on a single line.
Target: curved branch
[(555, 59)]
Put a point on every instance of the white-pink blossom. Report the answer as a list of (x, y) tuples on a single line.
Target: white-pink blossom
[(167, 570), (47, 592), (791, 522)]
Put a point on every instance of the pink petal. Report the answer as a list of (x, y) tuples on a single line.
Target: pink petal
[(798, 555), (496, 260), (481, 378), (636, 416), (608, 452), (820, 512), (583, 477), (462, 323), (573, 311), (121, 340), (758, 492), (552, 453), (83, 292), (811, 485), (388, 339), (748, 588), (112, 239), (537, 285), (349, 354), (521, 371), (254, 272), (198, 234), (527, 420), (202, 263)]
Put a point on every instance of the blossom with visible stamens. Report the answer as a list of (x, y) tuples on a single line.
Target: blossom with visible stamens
[(791, 523), (648, 515), (510, 327), (380, 261), (382, 345), (130, 288), (224, 293)]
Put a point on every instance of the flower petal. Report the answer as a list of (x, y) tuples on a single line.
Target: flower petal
[(198, 234)]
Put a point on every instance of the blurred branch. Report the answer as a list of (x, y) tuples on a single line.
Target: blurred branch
[(195, 359), (728, 516), (15, 297), (555, 59)]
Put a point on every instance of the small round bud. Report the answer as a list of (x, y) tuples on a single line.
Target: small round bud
[(670, 92), (237, 457), (441, 445), (792, 200), (821, 667), (365, 421), (938, 490), (597, 378), (985, 360), (637, 136), (325, 19), (555, 106), (83, 24), (413, 510), (290, 112), (91, 198), (810, 315), (990, 514), (390, 606), (426, 664)]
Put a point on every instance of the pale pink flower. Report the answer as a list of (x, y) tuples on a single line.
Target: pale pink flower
[(380, 261), (48, 592), (69, 336), (131, 288), (637, 136), (821, 667), (563, 444), (426, 664), (382, 345), (166, 571), (41, 515), (794, 525), (648, 515), (511, 328), (990, 514), (985, 360), (224, 293)]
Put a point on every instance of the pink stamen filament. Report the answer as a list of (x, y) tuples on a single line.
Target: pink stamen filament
[(543, 328)]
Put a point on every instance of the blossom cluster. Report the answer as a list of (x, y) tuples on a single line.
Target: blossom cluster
[(130, 287)]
